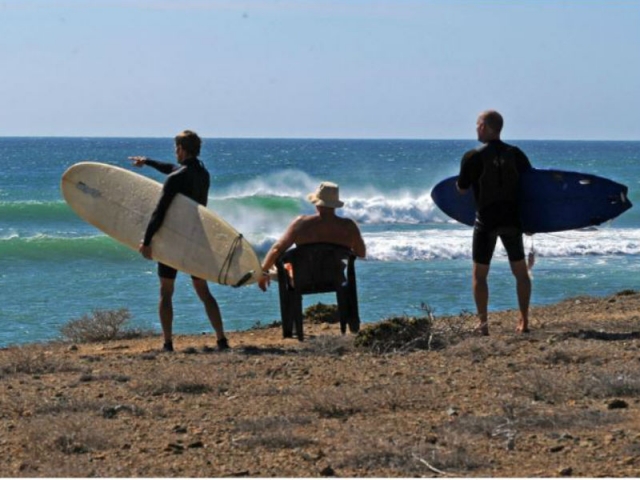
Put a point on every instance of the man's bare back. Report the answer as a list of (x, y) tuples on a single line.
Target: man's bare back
[(328, 228)]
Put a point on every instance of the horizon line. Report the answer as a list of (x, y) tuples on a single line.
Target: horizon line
[(320, 138)]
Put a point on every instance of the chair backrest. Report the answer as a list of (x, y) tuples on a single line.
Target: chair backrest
[(319, 267)]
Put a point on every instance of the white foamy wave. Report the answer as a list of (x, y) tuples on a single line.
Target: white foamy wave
[(400, 246), (364, 204), (433, 244), (602, 242), (418, 245), (285, 183), (11, 235), (394, 209), (49, 237)]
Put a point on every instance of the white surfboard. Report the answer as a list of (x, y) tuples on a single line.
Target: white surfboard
[(192, 238)]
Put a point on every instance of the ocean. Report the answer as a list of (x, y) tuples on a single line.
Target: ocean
[(54, 267)]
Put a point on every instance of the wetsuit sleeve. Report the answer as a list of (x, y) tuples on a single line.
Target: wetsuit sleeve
[(169, 191), (162, 167), (465, 178)]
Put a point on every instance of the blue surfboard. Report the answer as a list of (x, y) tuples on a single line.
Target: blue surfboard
[(550, 200)]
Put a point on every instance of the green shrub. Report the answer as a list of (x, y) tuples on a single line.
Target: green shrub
[(426, 332), (321, 313), (396, 333)]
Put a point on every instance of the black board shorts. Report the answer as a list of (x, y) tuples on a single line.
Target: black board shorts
[(165, 271), (484, 243)]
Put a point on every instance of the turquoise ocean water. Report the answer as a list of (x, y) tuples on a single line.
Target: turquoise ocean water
[(54, 267)]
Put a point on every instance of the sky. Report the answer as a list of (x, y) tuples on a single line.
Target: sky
[(419, 69)]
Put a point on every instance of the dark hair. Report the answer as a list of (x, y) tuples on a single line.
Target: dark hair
[(190, 142)]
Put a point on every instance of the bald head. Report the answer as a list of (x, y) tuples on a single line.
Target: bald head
[(489, 126)]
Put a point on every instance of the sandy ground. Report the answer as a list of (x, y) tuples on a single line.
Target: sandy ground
[(563, 400)]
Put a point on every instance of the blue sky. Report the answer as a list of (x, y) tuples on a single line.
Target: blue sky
[(319, 69)]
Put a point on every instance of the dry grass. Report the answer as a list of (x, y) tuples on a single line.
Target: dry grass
[(33, 360), (58, 442), (605, 384), (334, 402), (179, 379), (273, 433)]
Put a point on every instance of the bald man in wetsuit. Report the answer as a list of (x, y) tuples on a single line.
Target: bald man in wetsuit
[(492, 171), (190, 178)]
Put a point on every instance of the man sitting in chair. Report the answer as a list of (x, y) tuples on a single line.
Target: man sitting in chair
[(323, 227)]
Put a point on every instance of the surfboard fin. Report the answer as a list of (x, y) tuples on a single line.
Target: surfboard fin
[(245, 278)]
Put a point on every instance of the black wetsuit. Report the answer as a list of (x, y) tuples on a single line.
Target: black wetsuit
[(190, 179), (493, 171)]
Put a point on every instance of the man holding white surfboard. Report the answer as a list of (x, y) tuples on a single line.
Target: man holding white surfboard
[(190, 178), (493, 170)]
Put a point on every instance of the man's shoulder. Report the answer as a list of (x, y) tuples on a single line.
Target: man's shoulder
[(346, 221), (474, 152), (509, 147), (517, 153), (302, 220)]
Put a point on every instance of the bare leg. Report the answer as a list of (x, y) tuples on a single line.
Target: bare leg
[(481, 296), (165, 307), (210, 305), (523, 289)]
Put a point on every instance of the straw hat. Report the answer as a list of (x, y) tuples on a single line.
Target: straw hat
[(326, 195)]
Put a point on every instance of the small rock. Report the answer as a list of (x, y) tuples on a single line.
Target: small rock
[(616, 404), (313, 456), (109, 412), (197, 444), (431, 438), (556, 448), (566, 472), (328, 471), (179, 429), (175, 448)]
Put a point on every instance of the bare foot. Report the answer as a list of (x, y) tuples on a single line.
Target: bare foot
[(482, 328), (523, 327)]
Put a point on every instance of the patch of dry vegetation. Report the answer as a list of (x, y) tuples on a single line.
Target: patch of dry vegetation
[(101, 326), (272, 433), (406, 334), (33, 360)]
